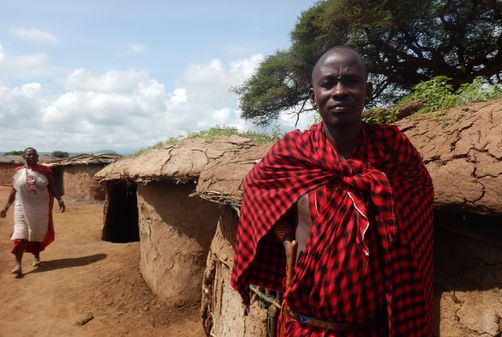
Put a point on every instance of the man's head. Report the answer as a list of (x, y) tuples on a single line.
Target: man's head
[(30, 156), (340, 88)]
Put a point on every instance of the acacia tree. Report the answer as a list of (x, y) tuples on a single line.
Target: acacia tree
[(60, 154), (404, 43)]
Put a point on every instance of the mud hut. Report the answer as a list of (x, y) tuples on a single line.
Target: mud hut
[(8, 166), (175, 227), (221, 308), (462, 148), (9, 163), (76, 175)]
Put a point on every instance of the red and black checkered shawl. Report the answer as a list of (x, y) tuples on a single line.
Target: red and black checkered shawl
[(370, 247)]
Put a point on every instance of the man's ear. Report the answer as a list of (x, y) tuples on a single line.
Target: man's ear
[(312, 97), (369, 92)]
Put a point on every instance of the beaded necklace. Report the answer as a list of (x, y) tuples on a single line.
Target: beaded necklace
[(31, 180)]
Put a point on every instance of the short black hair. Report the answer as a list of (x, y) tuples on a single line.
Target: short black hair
[(30, 148), (336, 48)]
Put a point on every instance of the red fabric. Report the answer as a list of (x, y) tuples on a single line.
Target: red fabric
[(37, 247), (350, 269)]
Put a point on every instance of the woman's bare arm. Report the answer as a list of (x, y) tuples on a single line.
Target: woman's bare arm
[(10, 200)]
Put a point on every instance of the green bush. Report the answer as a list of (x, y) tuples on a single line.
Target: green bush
[(60, 154), (479, 90), (13, 153), (438, 94)]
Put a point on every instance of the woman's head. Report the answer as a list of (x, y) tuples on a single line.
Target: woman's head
[(30, 156)]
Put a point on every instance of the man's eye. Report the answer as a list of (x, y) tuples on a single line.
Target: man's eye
[(327, 84)]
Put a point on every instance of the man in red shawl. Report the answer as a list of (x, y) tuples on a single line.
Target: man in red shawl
[(357, 199)]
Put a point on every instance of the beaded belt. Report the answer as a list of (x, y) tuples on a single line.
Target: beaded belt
[(333, 326)]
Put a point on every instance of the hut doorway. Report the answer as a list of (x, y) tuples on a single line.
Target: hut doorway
[(58, 176), (468, 274), (121, 212)]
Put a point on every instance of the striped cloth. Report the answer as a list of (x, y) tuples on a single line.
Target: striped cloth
[(370, 247)]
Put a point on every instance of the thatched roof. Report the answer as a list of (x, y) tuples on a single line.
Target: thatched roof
[(11, 159), (80, 159), (462, 148), (221, 182), (90, 159), (180, 162), (18, 159)]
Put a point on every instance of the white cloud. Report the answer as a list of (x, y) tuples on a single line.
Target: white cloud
[(113, 81), (25, 67), (113, 98), (2, 53), (20, 106), (31, 61), (34, 35), (214, 77), (243, 69), (136, 48), (123, 109), (179, 96)]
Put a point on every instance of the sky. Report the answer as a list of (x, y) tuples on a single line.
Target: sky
[(93, 75)]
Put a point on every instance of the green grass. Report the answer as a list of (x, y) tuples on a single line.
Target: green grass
[(217, 132)]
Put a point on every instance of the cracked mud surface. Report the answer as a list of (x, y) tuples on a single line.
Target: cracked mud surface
[(462, 148), (179, 162), (468, 276)]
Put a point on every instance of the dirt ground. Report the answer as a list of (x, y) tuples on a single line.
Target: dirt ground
[(85, 286)]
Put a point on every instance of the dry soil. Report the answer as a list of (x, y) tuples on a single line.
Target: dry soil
[(84, 287)]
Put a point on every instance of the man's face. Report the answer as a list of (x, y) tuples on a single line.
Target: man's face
[(339, 89)]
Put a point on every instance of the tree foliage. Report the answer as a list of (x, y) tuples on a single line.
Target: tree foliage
[(60, 154), (14, 153), (404, 43)]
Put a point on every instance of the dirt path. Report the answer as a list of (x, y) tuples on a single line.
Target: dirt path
[(82, 277)]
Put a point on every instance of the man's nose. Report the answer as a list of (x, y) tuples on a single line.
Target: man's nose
[(339, 89)]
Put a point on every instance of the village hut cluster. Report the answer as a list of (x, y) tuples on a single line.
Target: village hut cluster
[(188, 197), (175, 227), (74, 175), (8, 166)]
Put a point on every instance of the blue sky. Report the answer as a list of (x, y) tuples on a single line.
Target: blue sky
[(122, 75)]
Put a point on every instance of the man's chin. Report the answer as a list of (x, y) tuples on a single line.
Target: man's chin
[(341, 123)]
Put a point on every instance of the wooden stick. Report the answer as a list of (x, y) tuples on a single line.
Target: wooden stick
[(291, 262)]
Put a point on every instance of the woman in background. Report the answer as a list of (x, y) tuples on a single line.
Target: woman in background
[(33, 192)]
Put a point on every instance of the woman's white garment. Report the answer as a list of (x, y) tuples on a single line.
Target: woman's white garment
[(31, 206)]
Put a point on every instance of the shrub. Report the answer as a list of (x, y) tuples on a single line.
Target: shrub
[(13, 153), (60, 154), (438, 94)]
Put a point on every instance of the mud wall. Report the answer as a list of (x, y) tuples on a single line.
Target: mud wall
[(462, 149), (79, 182), (222, 310), (468, 281), (175, 234), (6, 173), (468, 287)]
